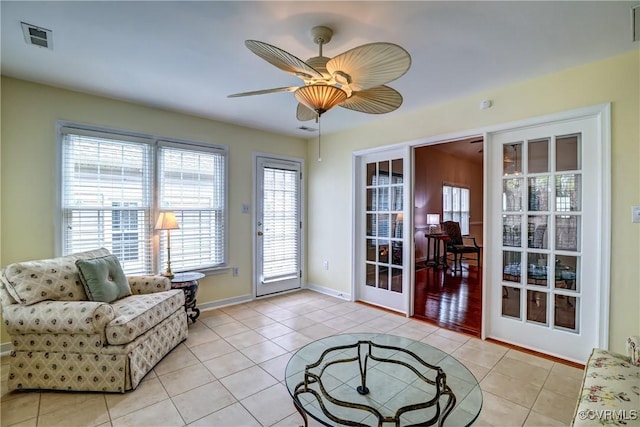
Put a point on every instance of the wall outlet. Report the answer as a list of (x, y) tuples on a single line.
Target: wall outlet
[(325, 265), (635, 213), (245, 208), (234, 271)]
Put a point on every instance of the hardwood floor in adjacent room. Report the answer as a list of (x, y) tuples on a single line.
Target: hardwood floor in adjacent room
[(456, 304)]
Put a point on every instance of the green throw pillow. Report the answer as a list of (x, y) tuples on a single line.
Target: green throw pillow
[(103, 278)]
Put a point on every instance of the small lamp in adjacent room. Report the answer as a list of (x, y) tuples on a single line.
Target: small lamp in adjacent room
[(433, 221), (167, 221)]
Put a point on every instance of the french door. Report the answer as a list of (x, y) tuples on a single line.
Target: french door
[(546, 208), (382, 275), (278, 227)]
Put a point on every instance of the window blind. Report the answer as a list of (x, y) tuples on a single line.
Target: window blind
[(192, 185), (106, 196), (281, 224), (455, 206)]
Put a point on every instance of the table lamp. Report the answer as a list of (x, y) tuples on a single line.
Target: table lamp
[(167, 221), (433, 221)]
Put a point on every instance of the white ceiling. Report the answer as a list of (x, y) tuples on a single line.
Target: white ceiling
[(188, 56)]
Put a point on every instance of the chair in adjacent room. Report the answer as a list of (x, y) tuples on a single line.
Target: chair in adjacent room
[(458, 248)]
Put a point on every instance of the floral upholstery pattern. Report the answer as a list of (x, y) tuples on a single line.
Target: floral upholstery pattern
[(610, 391), (135, 316), (64, 342), (49, 279), (633, 350)]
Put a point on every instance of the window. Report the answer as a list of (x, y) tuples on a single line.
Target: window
[(455, 206), (113, 186)]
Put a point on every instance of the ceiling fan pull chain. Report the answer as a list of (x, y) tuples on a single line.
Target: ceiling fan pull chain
[(319, 134)]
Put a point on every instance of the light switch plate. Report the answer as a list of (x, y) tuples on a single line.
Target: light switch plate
[(635, 213)]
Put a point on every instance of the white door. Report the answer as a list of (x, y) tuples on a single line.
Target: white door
[(278, 257), (382, 274), (545, 205)]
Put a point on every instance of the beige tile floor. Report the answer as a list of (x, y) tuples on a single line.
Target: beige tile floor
[(230, 372)]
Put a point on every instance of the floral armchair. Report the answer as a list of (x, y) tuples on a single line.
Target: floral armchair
[(610, 393), (64, 340)]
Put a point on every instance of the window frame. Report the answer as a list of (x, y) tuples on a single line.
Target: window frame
[(461, 212), (155, 141)]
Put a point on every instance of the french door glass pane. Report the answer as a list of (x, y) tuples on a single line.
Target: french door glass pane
[(568, 192), (511, 266), (511, 302), (537, 269), (512, 194), (566, 269), (512, 159), (567, 232), (568, 153), (537, 307), (566, 312), (539, 193), (539, 156), (537, 231), (511, 230)]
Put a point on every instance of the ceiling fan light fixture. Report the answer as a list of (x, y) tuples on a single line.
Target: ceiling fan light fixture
[(320, 98)]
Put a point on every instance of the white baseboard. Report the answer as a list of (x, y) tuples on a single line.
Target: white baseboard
[(225, 302), (328, 291)]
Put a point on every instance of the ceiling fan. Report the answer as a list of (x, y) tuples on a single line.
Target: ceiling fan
[(355, 79)]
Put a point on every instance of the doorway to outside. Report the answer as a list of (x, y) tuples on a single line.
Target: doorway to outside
[(278, 225), (448, 186)]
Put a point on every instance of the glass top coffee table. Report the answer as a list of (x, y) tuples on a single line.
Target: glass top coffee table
[(381, 380)]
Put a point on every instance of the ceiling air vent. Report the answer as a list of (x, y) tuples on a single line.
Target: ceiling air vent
[(37, 36), (308, 129)]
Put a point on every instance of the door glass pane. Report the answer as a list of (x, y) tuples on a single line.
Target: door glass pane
[(512, 194), (371, 250), (383, 198), (397, 169), (396, 253), (371, 199), (537, 269), (397, 220), (537, 231), (383, 251), (371, 275), (539, 156), (539, 193), (567, 232), (371, 225), (383, 173), (537, 307), (511, 266), (511, 234), (568, 192), (568, 153), (383, 225), (372, 173), (396, 280), (565, 312), (512, 158), (566, 268), (396, 198), (383, 277), (511, 301)]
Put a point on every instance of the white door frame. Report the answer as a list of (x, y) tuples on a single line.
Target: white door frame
[(254, 221), (602, 112)]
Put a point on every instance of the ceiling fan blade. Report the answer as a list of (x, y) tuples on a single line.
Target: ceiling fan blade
[(377, 100), (282, 59), (264, 91), (371, 65), (303, 113)]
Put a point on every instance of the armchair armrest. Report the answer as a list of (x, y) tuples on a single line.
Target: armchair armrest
[(148, 284), (58, 317), (473, 239)]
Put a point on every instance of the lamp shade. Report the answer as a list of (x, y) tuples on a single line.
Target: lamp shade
[(433, 219), (320, 97), (167, 221)]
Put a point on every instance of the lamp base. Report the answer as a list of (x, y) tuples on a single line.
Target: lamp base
[(169, 274)]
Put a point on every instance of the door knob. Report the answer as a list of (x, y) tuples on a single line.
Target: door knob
[(260, 233)]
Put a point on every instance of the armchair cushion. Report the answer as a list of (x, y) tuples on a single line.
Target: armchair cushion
[(48, 279), (103, 278)]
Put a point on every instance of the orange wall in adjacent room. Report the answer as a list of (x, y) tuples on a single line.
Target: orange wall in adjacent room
[(433, 168)]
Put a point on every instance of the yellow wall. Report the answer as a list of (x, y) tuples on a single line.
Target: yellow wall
[(615, 80), (29, 112)]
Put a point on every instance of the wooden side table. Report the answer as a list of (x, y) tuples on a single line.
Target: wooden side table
[(188, 282)]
